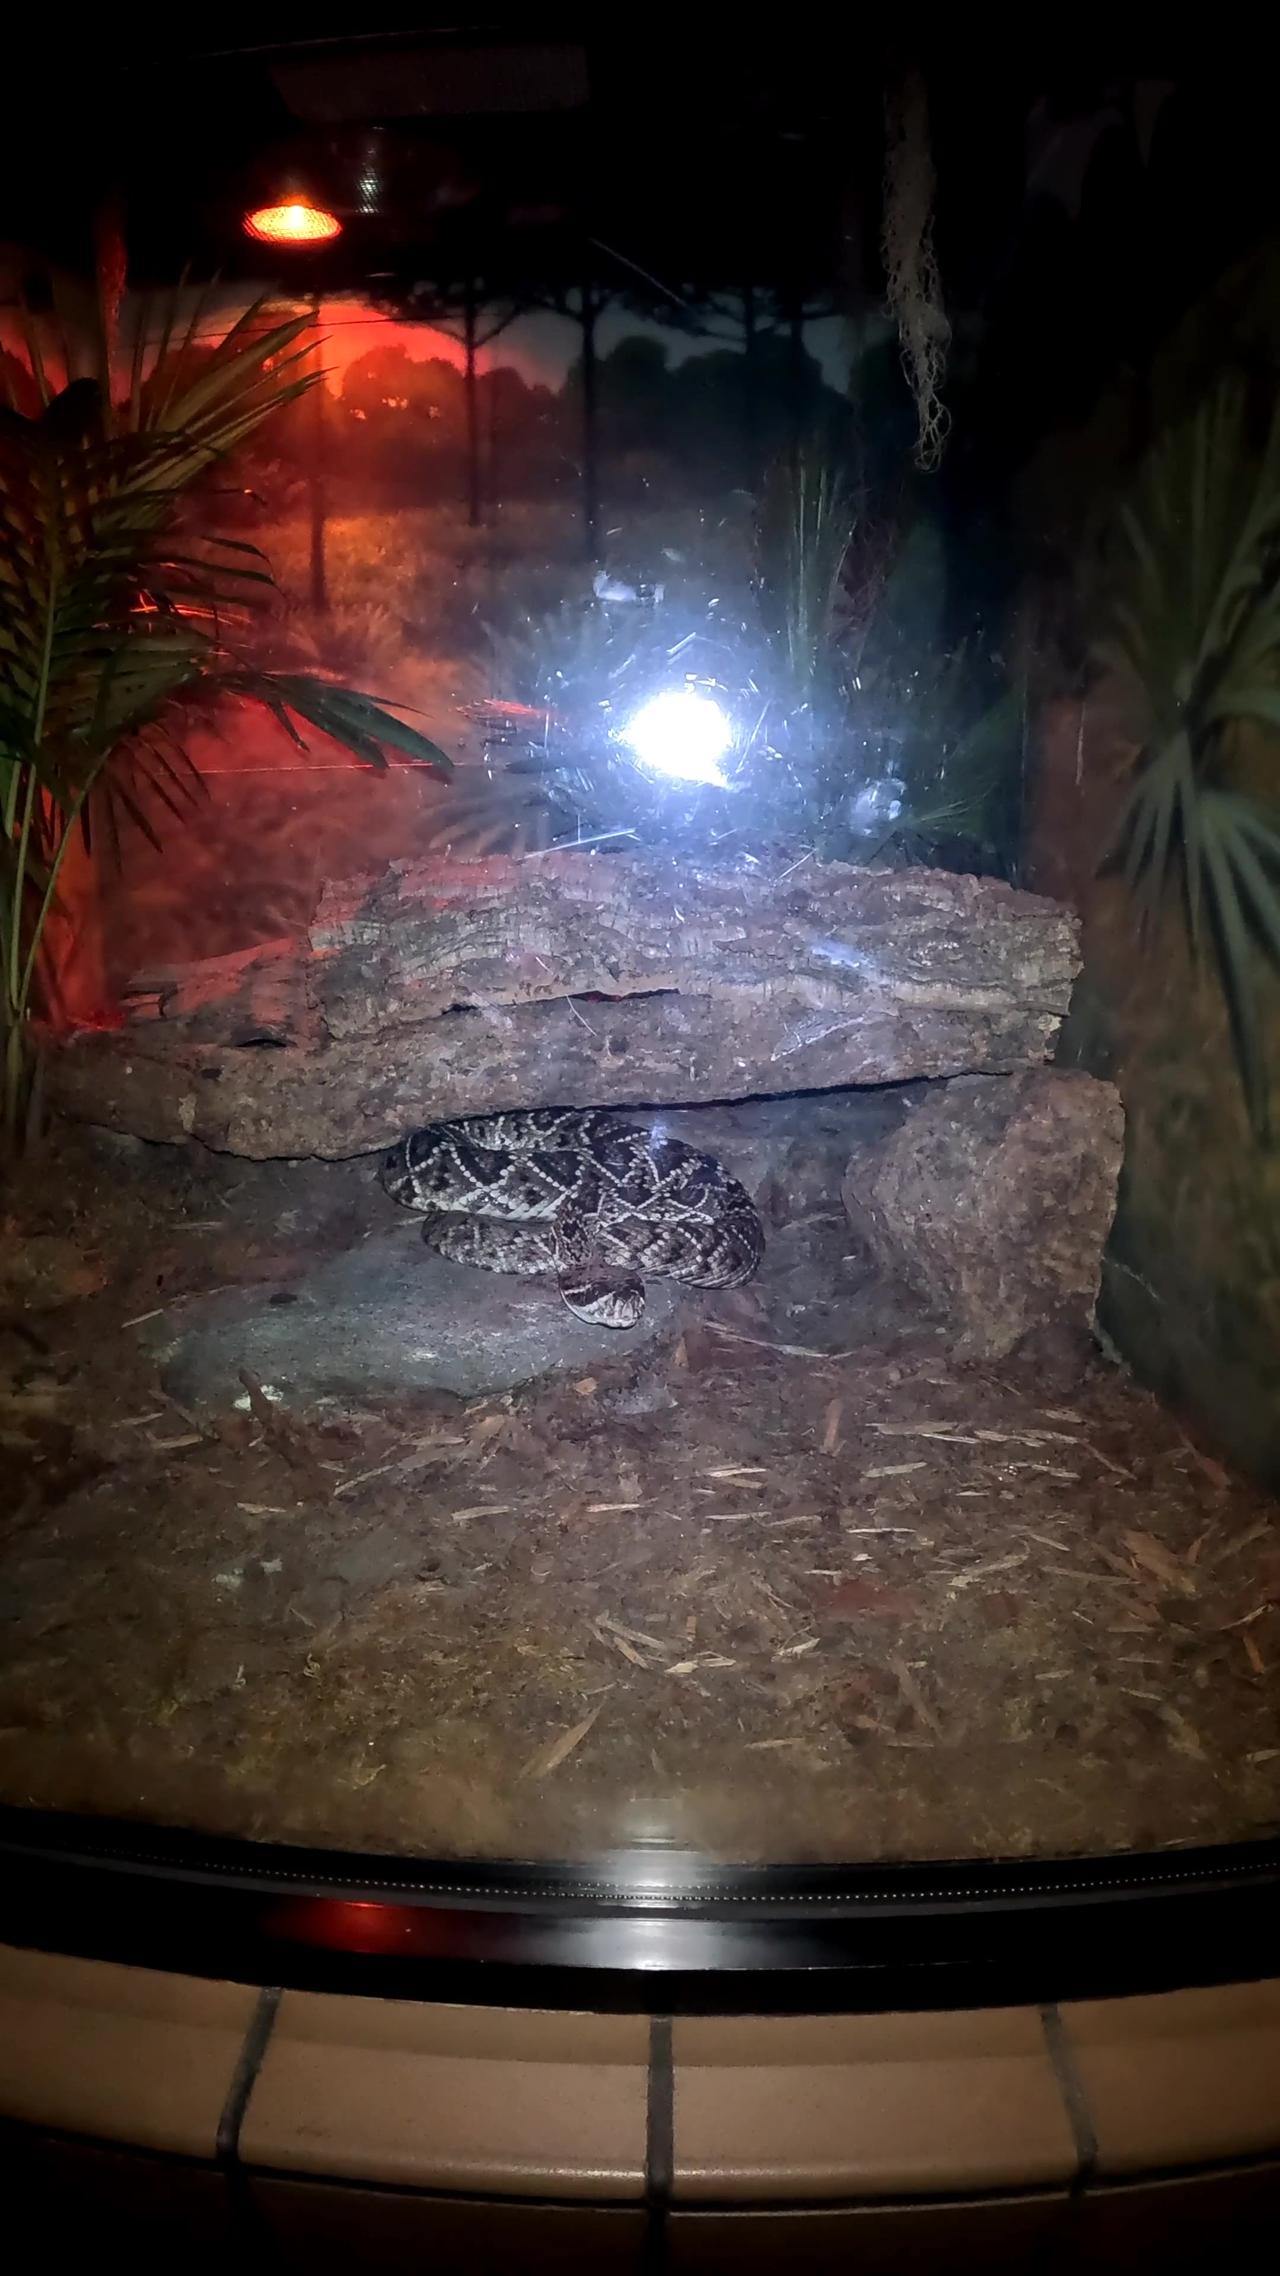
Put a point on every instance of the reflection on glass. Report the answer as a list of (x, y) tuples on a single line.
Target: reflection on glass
[(642, 1215)]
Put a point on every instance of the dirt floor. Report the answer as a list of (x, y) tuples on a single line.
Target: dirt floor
[(741, 1592)]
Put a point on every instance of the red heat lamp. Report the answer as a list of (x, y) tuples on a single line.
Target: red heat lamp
[(297, 221)]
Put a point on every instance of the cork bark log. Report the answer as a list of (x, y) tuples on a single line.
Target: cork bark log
[(443, 988)]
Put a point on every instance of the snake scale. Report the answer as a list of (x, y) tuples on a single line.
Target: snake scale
[(570, 1192)]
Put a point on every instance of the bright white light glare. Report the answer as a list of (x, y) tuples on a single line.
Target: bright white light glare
[(681, 734), (878, 805)]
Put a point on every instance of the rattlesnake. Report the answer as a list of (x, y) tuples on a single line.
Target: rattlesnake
[(570, 1192)]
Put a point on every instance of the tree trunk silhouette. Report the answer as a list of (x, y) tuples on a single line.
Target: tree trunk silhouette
[(470, 313), (750, 388), (317, 487), (795, 376), (590, 423)]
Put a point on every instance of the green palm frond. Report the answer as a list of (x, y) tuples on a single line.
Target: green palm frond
[(120, 618), (804, 532), (957, 768), (360, 722), (1193, 627)]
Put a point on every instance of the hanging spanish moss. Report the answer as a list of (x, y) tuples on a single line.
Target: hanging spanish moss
[(913, 285)]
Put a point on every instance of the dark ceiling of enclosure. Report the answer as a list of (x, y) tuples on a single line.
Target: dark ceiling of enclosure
[(1090, 188), (696, 150)]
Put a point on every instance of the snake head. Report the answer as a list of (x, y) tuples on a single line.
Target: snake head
[(394, 1174)]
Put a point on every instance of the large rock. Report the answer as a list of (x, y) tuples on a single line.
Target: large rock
[(449, 988), (994, 1201), (389, 1315)]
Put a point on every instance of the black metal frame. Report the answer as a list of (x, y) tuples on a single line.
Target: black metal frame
[(645, 1929)]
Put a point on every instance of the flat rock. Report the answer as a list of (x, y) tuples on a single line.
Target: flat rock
[(993, 1201), (391, 1315), (442, 988)]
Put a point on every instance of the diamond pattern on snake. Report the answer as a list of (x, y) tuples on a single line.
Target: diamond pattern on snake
[(599, 1204)]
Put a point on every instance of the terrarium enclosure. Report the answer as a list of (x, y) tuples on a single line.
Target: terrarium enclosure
[(489, 633)]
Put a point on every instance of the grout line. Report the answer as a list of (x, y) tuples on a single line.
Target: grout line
[(659, 2147), (245, 2075), (1075, 2100)]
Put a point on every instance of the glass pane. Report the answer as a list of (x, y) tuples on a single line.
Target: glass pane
[(595, 1256)]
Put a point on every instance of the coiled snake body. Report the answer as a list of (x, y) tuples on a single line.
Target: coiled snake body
[(597, 1203)]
